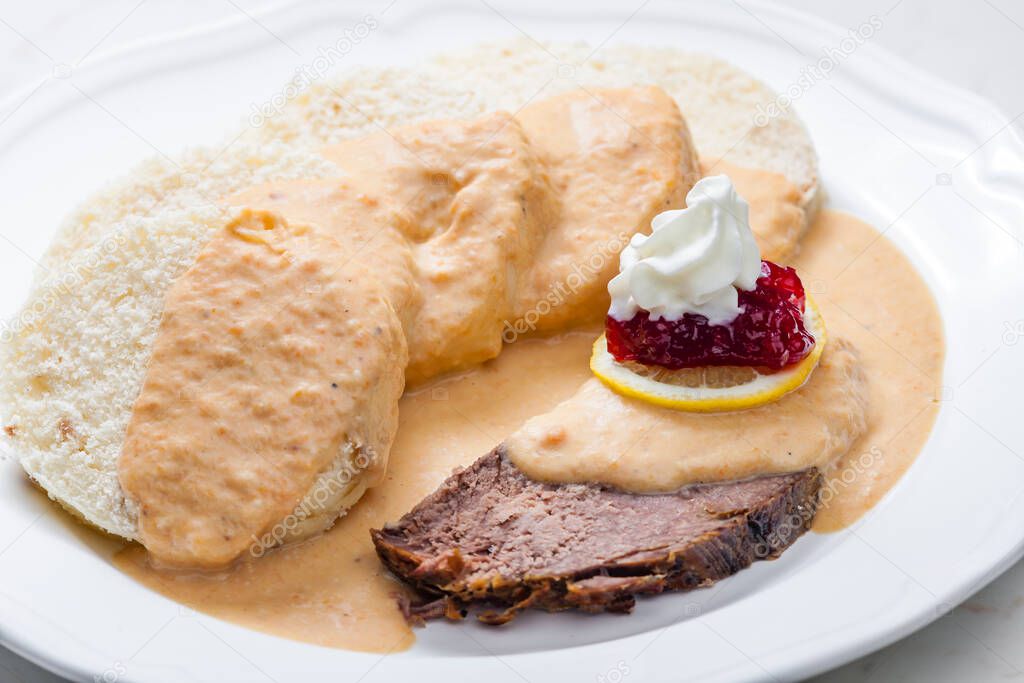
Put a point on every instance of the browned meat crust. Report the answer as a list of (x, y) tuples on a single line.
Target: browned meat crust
[(489, 534)]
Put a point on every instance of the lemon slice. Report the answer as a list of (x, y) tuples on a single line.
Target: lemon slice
[(708, 389)]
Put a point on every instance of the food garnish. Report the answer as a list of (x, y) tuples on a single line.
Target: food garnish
[(698, 321)]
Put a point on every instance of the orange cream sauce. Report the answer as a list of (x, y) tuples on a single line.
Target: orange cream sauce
[(599, 435), (272, 361), (331, 590), (776, 216), (433, 238), (870, 294)]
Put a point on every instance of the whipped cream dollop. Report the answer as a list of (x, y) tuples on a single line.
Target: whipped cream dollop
[(694, 261)]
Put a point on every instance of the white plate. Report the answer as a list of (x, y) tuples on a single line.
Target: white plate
[(898, 147)]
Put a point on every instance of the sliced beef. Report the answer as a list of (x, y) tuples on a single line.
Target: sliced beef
[(489, 534)]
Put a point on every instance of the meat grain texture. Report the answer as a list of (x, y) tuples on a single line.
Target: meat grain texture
[(491, 535)]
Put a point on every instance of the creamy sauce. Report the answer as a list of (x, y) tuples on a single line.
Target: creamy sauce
[(616, 158), (870, 294), (416, 259), (331, 590), (601, 436), (776, 217), (269, 362)]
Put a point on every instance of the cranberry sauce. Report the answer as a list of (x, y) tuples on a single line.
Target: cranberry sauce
[(769, 332)]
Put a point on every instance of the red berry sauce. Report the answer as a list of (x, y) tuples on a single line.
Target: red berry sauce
[(769, 332)]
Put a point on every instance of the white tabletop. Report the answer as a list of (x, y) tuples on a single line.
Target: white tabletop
[(977, 44)]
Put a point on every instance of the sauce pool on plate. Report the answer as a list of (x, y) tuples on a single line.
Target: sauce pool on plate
[(332, 590)]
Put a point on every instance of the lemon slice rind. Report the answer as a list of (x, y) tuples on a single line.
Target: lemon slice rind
[(761, 390)]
